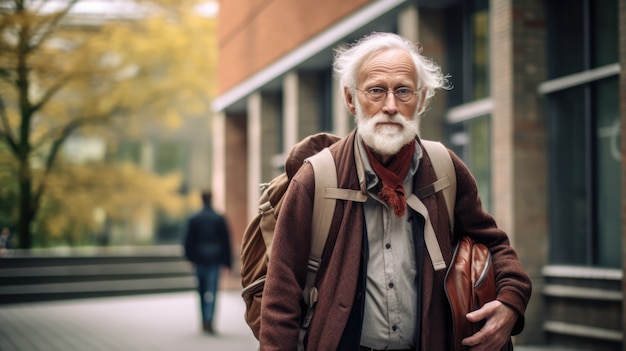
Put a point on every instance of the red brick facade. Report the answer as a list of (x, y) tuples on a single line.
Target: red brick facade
[(254, 33)]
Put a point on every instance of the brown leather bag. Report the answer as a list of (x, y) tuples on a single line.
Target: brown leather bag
[(470, 280), (470, 283)]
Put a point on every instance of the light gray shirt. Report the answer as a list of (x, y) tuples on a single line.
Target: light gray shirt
[(390, 289)]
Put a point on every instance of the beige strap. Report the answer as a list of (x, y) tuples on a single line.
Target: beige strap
[(434, 188), (360, 170), (446, 182), (442, 163), (432, 245), (323, 210), (345, 194), (325, 174)]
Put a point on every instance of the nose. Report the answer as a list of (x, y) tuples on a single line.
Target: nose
[(390, 105)]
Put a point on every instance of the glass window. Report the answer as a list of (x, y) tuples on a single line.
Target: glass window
[(604, 41), (568, 200), (471, 141), (582, 35), (467, 51), (454, 54), (480, 53), (565, 36), (585, 139), (608, 158)]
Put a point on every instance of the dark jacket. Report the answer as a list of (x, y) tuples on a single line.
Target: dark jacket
[(339, 308), (207, 240)]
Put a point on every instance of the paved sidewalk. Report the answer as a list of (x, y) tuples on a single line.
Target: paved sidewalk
[(160, 322)]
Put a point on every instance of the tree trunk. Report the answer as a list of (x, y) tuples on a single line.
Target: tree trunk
[(25, 203)]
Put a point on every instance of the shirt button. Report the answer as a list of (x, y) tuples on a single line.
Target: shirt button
[(388, 246), (390, 285), (394, 328)]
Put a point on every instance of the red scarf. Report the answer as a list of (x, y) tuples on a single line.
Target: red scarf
[(392, 175)]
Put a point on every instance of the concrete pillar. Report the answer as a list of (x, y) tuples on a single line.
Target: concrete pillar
[(290, 111), (408, 23), (301, 107), (309, 109), (271, 133), (219, 165), (341, 115), (622, 108), (254, 153), (263, 141), (502, 117), (519, 146)]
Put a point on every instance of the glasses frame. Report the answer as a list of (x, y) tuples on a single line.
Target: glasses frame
[(394, 92)]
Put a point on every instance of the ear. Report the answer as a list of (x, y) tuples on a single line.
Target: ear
[(349, 98)]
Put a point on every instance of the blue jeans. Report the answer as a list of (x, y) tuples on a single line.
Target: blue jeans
[(208, 278)]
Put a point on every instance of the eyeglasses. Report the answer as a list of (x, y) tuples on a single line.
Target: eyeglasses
[(378, 95)]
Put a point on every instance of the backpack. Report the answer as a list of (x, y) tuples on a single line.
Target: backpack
[(257, 238)]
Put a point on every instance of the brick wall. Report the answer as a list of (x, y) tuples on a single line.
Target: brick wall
[(254, 33), (519, 151), (235, 180)]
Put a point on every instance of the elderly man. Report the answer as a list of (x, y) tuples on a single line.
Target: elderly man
[(377, 286)]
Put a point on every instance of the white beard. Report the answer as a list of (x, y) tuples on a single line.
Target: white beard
[(386, 139)]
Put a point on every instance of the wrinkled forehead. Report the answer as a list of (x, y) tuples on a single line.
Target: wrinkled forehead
[(387, 64)]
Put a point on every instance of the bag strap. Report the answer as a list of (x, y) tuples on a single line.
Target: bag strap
[(446, 182), (323, 210), (325, 199), (326, 196), (442, 163), (430, 238)]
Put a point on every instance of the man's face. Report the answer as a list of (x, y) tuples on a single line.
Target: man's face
[(388, 125)]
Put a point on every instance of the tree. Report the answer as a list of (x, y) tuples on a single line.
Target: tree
[(61, 75)]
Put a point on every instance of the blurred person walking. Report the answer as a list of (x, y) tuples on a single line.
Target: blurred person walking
[(207, 246), (5, 241)]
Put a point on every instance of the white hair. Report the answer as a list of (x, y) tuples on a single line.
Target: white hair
[(348, 60)]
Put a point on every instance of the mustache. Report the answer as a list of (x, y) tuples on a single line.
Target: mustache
[(384, 118), (395, 119)]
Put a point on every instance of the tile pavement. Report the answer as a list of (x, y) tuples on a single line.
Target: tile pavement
[(160, 322)]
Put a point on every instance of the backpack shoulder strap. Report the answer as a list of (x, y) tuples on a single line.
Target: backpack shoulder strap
[(325, 199), (446, 182), (326, 196), (323, 209), (442, 163), (325, 174)]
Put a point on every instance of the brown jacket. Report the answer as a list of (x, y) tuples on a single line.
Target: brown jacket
[(337, 281)]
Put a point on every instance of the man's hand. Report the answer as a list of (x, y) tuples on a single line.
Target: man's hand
[(499, 321)]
